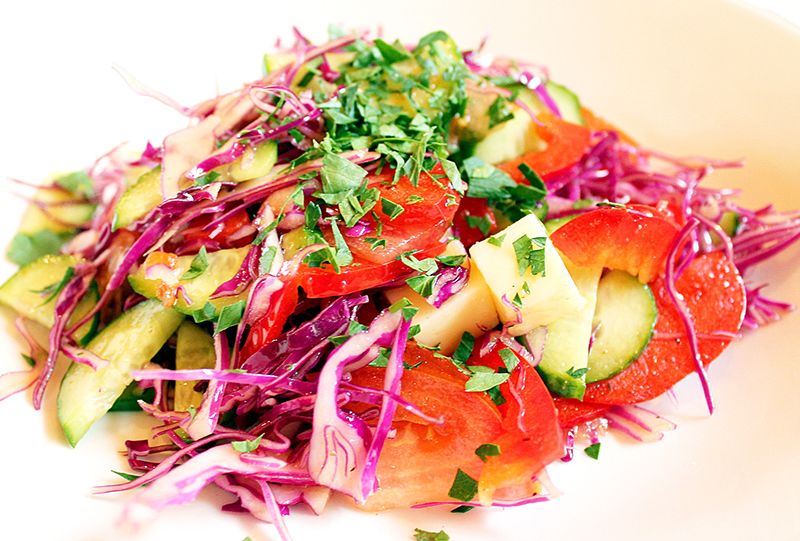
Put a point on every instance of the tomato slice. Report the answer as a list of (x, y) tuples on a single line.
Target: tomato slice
[(634, 238), (419, 463), (532, 436), (573, 412), (225, 234), (361, 274), (566, 145), (715, 297), (472, 214), (427, 213)]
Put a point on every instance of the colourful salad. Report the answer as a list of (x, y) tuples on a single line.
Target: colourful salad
[(412, 275)]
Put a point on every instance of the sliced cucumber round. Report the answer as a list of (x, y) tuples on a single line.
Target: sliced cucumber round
[(624, 319)]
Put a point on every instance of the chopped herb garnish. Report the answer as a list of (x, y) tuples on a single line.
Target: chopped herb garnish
[(464, 350), (230, 316), (451, 260), (593, 450), (405, 305), (422, 284), (247, 446), (577, 373), (486, 450), (414, 199), (267, 258), (483, 223), (530, 254), (206, 313), (484, 378), (462, 509), (54, 289), (208, 178), (25, 248), (610, 204), (198, 265), (422, 535), (77, 183), (496, 240), (510, 358), (464, 487), (390, 208)]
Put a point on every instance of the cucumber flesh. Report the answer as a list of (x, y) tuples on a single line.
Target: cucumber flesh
[(222, 266), (22, 292), (624, 319), (194, 349), (138, 199), (128, 343)]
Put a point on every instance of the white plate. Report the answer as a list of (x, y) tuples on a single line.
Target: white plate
[(688, 77)]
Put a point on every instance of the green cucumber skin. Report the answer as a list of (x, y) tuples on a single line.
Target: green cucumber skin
[(621, 298), (128, 343)]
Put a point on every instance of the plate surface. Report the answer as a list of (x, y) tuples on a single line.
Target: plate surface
[(701, 77)]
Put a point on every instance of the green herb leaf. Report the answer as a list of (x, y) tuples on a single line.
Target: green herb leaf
[(510, 358), (530, 254), (422, 535), (496, 240), (267, 258), (26, 248), (230, 316), (340, 174), (391, 53), (462, 509), (481, 222), (198, 266), (426, 266), (593, 450), (464, 350), (247, 446), (486, 450), (390, 208), (422, 284), (78, 183), (577, 373), (54, 289), (464, 488), (208, 178), (484, 378), (451, 260), (207, 313)]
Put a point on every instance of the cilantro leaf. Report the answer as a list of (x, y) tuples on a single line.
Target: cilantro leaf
[(484, 378), (247, 446), (464, 350), (530, 254), (198, 265), (422, 284), (593, 450), (207, 313), (267, 258), (25, 248), (486, 450), (422, 535), (230, 316), (464, 487)]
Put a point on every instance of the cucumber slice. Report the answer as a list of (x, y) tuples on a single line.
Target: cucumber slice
[(64, 212), (194, 349), (138, 199), (566, 350), (625, 317), (569, 106), (21, 292), (128, 343), (222, 266)]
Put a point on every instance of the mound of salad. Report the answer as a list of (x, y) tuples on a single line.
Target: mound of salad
[(412, 275)]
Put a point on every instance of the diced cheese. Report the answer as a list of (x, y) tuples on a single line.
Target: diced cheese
[(544, 298), (470, 310)]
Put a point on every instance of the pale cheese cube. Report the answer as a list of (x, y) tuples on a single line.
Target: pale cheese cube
[(470, 310), (550, 296)]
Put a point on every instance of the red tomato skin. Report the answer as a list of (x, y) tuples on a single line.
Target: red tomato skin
[(320, 282), (476, 207), (532, 438), (572, 412), (419, 463), (566, 145), (715, 296), (196, 232), (635, 238)]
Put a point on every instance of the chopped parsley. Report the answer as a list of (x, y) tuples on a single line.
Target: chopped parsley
[(593, 451), (422, 535), (198, 266), (530, 254), (464, 488), (486, 450), (230, 316)]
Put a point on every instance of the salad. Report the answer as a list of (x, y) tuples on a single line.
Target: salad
[(411, 275)]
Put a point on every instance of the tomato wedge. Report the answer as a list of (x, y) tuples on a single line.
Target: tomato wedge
[(532, 437), (715, 297), (566, 145), (473, 214), (573, 412), (634, 238), (427, 213), (418, 465)]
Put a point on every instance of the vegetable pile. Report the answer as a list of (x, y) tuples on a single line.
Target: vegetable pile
[(411, 275)]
